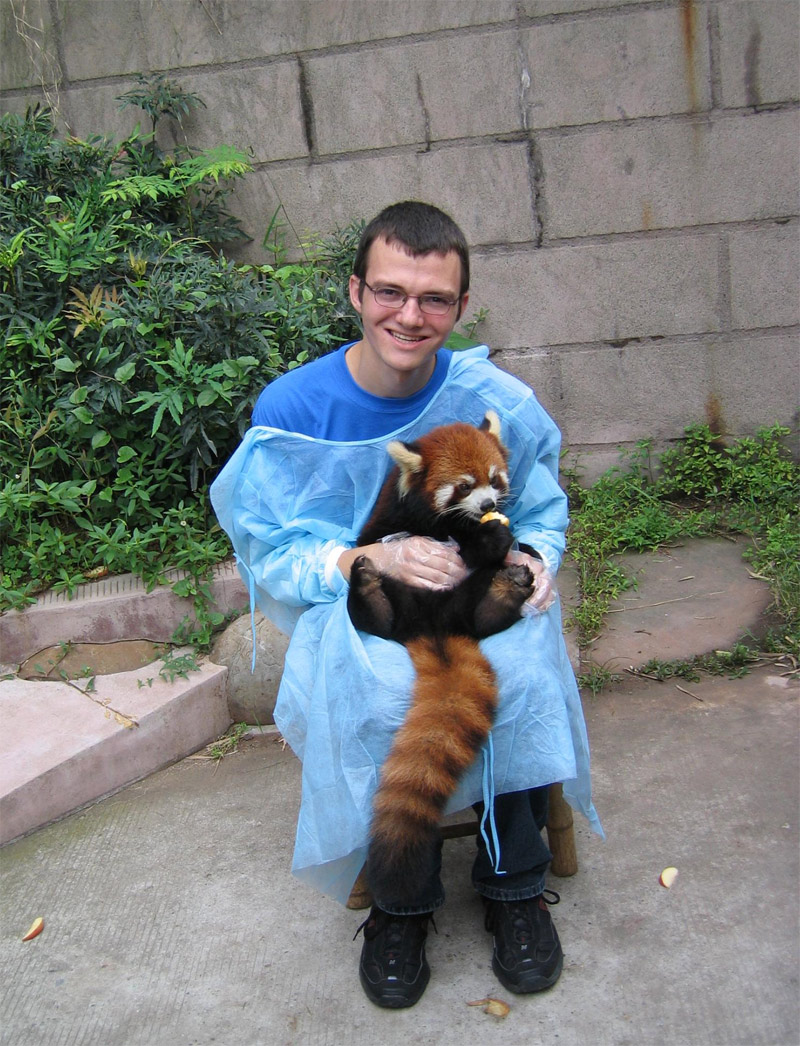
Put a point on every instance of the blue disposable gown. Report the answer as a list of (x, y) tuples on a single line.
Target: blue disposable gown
[(290, 504)]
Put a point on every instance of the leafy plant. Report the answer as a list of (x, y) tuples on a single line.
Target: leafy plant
[(132, 353), (701, 487), (159, 96)]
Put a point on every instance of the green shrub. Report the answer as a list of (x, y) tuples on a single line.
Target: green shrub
[(132, 352), (701, 487)]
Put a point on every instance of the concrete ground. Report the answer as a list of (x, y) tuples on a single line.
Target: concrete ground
[(171, 916)]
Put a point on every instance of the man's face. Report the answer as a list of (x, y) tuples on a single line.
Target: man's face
[(403, 340)]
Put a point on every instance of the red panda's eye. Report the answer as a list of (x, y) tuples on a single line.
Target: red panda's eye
[(464, 487)]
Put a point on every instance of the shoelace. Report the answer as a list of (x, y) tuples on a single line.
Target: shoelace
[(394, 930), (520, 914)]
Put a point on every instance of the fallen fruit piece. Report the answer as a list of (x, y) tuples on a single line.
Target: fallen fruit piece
[(36, 928), (495, 515), (496, 1007), (668, 877)]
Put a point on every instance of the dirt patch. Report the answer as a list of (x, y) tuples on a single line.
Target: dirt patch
[(91, 659)]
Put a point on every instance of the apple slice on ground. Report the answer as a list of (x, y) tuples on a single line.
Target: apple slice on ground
[(36, 928), (668, 877)]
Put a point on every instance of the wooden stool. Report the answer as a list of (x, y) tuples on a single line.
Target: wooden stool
[(560, 839)]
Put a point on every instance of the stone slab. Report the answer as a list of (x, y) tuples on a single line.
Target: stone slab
[(759, 52), (765, 266), (485, 184), (61, 749), (137, 34), (28, 42), (597, 381), (748, 404), (114, 608), (689, 599), (670, 174), (416, 92), (589, 70), (598, 291)]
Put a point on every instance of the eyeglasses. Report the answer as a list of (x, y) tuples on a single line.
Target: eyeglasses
[(430, 304)]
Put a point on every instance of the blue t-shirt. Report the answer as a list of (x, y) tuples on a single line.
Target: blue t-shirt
[(321, 399)]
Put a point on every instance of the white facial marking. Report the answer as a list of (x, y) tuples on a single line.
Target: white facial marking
[(443, 495)]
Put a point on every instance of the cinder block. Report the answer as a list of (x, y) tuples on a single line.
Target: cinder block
[(759, 52), (273, 132), (646, 389), (114, 37), (28, 43), (18, 104), (94, 109), (416, 92), (765, 269), (484, 187), (598, 292), (757, 381), (670, 174), (540, 8), (538, 368), (126, 36), (590, 462), (254, 109), (622, 65)]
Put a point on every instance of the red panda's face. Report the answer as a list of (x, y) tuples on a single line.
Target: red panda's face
[(458, 469)]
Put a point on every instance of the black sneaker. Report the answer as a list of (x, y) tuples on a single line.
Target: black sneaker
[(393, 970), (527, 953)]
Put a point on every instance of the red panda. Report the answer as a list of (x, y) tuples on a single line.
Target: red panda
[(442, 485)]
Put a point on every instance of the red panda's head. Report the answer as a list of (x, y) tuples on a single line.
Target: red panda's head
[(455, 468)]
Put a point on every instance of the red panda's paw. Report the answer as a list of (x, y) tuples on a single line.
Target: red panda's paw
[(502, 604), (369, 607), (492, 542), (517, 577)]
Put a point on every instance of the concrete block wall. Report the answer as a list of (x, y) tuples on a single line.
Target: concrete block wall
[(627, 171)]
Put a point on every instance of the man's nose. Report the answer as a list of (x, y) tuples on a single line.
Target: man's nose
[(411, 313)]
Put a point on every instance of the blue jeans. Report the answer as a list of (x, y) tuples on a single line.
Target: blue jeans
[(524, 857)]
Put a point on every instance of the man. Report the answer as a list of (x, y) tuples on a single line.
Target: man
[(293, 499)]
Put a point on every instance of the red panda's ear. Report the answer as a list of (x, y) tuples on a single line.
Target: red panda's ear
[(408, 461), (491, 424)]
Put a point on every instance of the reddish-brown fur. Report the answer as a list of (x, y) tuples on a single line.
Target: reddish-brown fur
[(455, 692), (453, 707)]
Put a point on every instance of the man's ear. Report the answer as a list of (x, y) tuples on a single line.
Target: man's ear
[(408, 461), (356, 289), (462, 304)]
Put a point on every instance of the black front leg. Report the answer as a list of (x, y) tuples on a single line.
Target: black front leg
[(487, 545), (368, 605), (501, 605)]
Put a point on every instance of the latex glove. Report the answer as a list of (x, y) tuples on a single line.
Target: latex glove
[(544, 592), (419, 561)]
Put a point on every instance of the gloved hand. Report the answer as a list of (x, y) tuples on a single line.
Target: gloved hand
[(544, 593), (420, 561)]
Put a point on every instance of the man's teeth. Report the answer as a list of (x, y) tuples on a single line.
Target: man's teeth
[(406, 337)]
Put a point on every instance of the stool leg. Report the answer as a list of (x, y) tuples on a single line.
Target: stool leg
[(561, 834), (360, 896)]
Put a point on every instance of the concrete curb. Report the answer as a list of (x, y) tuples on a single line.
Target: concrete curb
[(112, 609), (62, 748)]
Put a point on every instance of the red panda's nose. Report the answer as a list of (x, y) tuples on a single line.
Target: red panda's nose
[(488, 504)]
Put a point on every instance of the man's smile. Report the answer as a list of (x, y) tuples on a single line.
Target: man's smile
[(409, 339)]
